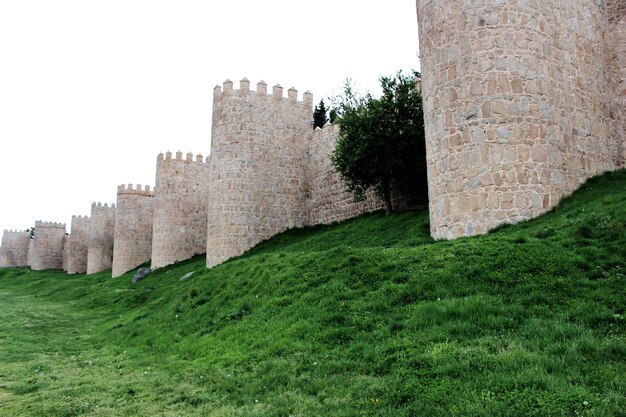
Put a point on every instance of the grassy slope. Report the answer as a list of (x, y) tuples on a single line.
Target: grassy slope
[(366, 318)]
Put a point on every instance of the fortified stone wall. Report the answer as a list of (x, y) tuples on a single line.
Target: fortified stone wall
[(133, 228), (180, 208), (47, 246), (66, 251), (517, 107), (14, 249), (257, 166), (100, 240), (31, 251), (328, 199), (523, 100), (616, 31), (78, 245)]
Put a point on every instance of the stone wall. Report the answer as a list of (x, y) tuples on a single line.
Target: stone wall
[(616, 31), (66, 251), (78, 245), (328, 200), (615, 10), (100, 240), (516, 102), (133, 228), (523, 101), (31, 251), (180, 208), (47, 246), (14, 249), (257, 166)]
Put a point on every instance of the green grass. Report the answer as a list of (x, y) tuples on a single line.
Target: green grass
[(369, 317)]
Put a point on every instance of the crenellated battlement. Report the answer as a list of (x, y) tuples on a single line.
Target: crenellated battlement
[(137, 189), (40, 223), (189, 158), (132, 237), (180, 207), (99, 205), (14, 248), (77, 246), (523, 100), (15, 231), (261, 92), (47, 246), (258, 146), (327, 126), (100, 237)]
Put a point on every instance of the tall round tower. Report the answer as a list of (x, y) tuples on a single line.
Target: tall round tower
[(46, 251), (78, 245), (257, 166), (14, 249), (616, 15), (132, 244), (180, 208), (101, 230), (516, 96)]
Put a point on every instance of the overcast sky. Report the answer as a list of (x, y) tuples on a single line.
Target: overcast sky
[(91, 91)]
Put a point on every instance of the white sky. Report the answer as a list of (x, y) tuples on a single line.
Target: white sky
[(91, 91)]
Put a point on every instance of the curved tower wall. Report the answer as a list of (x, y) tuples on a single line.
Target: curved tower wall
[(66, 252), (79, 241), (31, 252), (257, 166), (133, 228), (516, 106), (14, 249), (616, 14), (101, 233), (47, 246), (180, 208)]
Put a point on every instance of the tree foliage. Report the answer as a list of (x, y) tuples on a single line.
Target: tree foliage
[(319, 115), (381, 141)]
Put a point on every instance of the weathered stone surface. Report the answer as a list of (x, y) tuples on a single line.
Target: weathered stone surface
[(133, 228), (257, 185), (101, 235), (180, 208), (78, 245), (547, 77), (66, 251), (269, 171), (523, 101), (46, 249), (14, 248), (328, 200)]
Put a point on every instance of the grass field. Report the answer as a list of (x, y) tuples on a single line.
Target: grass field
[(369, 317)]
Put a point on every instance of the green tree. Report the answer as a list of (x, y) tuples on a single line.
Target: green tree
[(333, 115), (381, 141), (319, 115)]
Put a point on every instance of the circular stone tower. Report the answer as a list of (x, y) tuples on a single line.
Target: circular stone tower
[(132, 241), (257, 166), (46, 251), (180, 208), (516, 96), (101, 231)]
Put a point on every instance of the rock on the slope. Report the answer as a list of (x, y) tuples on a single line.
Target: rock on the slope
[(187, 276), (141, 274)]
